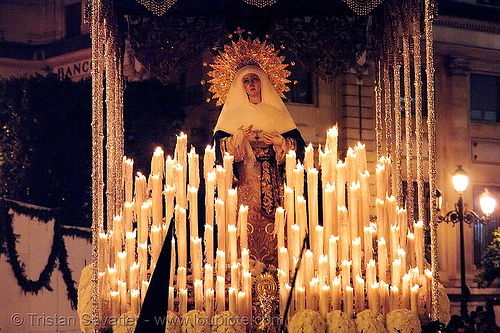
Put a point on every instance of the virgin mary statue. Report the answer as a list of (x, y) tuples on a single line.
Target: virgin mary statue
[(256, 128)]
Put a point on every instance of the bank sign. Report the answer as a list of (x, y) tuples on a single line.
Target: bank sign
[(76, 70)]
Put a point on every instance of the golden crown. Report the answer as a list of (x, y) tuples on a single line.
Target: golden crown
[(244, 53)]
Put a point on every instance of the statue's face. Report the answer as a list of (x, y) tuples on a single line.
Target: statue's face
[(251, 83)]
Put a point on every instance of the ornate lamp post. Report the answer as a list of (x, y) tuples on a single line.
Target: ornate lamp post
[(460, 215)]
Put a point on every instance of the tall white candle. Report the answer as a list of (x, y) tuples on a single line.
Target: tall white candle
[(279, 227), (341, 180), (220, 294), (209, 302), (209, 277), (169, 171), (221, 179), (221, 263), (299, 180), (156, 202), (209, 244), (405, 292), (208, 160), (410, 246), (233, 250), (181, 277), (171, 296), (235, 273), (193, 211), (414, 298), (396, 273), (371, 272), (227, 162), (330, 224), (134, 301), (346, 273), (359, 291), (130, 247), (289, 202), (144, 222), (122, 289), (309, 157), (394, 294), (384, 297), (181, 231), (180, 185), (156, 243), (300, 299), (231, 206), (336, 297), (142, 255), (243, 224), (198, 295), (221, 224), (194, 168), (332, 254), (197, 258), (324, 300), (128, 176), (353, 210), (323, 270), (373, 299), (210, 199), (349, 304), (140, 194), (318, 246), (128, 208), (368, 244), (183, 301), (115, 303), (312, 200), (382, 260), (356, 256), (245, 260), (418, 229)]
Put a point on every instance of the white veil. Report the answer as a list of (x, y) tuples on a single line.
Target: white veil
[(269, 115)]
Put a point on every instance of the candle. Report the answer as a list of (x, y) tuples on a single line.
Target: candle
[(232, 300), (382, 260), (222, 187), (140, 194), (419, 244), (336, 294), (194, 168), (396, 272), (290, 163), (197, 258), (115, 303), (209, 277), (309, 157), (183, 300), (181, 231), (134, 301), (394, 242), (402, 257), (243, 224), (301, 214), (169, 194), (208, 160), (180, 184), (394, 298), (128, 167), (308, 269), (324, 300), (144, 222), (169, 171), (220, 294), (312, 199), (241, 303), (122, 290), (198, 295), (359, 294), (247, 288), (156, 202), (209, 199), (279, 227), (381, 179), (299, 180), (331, 140), (381, 218), (133, 281), (121, 264), (368, 244), (414, 298), (103, 251), (300, 299), (227, 162), (181, 277), (172, 263), (410, 245), (384, 297), (130, 247), (209, 302), (144, 290), (233, 250), (245, 259), (295, 244), (235, 273), (346, 273), (330, 224), (356, 256), (127, 215), (142, 257), (353, 210), (371, 272), (323, 270), (289, 202), (349, 303), (156, 243), (332, 254), (193, 211), (341, 179), (171, 298), (209, 244), (313, 296), (318, 247), (373, 298), (221, 263), (181, 149), (221, 224), (231, 206), (406, 292)]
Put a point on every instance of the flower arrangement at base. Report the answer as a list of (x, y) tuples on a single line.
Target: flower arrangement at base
[(307, 321), (126, 323), (195, 322), (370, 321), (402, 321), (444, 305), (339, 322), (227, 322), (173, 324)]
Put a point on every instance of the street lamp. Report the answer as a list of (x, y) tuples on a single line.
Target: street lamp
[(460, 215)]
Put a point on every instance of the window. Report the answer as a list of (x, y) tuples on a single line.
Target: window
[(485, 98), (301, 82), (483, 232), (73, 18)]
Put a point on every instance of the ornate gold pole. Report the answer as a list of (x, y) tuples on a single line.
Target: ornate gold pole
[(388, 116), (397, 117), (378, 109), (408, 118), (97, 153), (431, 128)]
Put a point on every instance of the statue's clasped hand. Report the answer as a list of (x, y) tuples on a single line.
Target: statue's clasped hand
[(273, 138)]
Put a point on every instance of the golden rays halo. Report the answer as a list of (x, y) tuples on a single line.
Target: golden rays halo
[(244, 53)]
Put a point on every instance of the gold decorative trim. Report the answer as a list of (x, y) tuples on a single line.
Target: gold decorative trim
[(244, 53)]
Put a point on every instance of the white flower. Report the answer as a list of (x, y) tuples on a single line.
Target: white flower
[(370, 321), (227, 322), (444, 305), (402, 321), (195, 322), (126, 323), (84, 308), (173, 324), (340, 322), (307, 321)]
